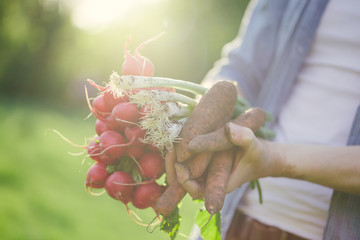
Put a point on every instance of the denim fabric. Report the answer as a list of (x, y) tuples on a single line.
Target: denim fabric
[(278, 32), (344, 214)]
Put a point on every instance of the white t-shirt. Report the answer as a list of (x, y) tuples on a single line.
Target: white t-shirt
[(320, 111)]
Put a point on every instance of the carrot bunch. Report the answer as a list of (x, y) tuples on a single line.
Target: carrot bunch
[(141, 118)]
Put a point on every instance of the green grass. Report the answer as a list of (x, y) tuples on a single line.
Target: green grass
[(42, 194)]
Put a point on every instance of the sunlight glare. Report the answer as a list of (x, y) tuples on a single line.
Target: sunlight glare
[(95, 14)]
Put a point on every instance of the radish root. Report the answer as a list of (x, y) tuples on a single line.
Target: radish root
[(152, 223)]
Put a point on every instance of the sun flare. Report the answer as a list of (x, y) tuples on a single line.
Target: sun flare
[(95, 14)]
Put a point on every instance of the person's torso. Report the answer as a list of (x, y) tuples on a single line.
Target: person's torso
[(320, 110)]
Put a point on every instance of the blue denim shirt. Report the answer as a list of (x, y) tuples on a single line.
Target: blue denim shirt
[(265, 60)]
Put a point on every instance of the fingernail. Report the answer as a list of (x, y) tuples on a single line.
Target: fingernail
[(227, 129), (232, 130)]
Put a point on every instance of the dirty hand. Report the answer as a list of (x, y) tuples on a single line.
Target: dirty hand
[(253, 157)]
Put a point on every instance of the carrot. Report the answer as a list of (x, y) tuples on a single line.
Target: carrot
[(170, 159), (197, 165), (212, 111), (195, 187), (175, 192), (172, 196), (169, 200), (253, 118), (221, 165), (186, 172), (217, 179), (217, 103)]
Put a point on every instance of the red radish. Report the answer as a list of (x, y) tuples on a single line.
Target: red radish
[(99, 107), (138, 64), (131, 65), (126, 113), (119, 185), (146, 195), (146, 66), (151, 165), (93, 149), (152, 148), (99, 110), (93, 144), (101, 126), (135, 134), (96, 176), (111, 101), (98, 155), (135, 151), (112, 143), (113, 124)]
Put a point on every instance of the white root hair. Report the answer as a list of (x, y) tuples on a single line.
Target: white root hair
[(166, 115)]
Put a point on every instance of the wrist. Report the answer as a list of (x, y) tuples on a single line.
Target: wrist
[(280, 166)]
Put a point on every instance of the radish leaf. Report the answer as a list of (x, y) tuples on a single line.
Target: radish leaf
[(210, 228), (171, 224)]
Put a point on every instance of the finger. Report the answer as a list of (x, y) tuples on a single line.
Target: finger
[(237, 176), (238, 135), (252, 118), (232, 185), (193, 187), (170, 159), (214, 141), (238, 156)]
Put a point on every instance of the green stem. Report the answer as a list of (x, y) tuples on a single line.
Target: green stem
[(133, 82), (184, 111), (239, 109), (149, 96), (176, 97), (259, 191), (265, 133)]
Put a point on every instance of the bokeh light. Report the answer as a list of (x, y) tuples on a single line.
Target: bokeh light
[(96, 15)]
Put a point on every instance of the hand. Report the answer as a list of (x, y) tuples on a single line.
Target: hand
[(253, 158)]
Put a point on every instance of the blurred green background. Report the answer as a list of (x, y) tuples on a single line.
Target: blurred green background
[(48, 48)]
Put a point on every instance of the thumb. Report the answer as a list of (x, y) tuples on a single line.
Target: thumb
[(239, 135)]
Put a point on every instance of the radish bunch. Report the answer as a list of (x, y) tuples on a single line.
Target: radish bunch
[(125, 165)]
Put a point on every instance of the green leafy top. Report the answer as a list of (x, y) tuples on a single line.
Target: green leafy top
[(210, 228), (171, 224)]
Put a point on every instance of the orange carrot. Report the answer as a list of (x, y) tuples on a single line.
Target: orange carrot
[(195, 187), (168, 201), (253, 118), (197, 165), (221, 165), (213, 110), (217, 179), (170, 160), (215, 105)]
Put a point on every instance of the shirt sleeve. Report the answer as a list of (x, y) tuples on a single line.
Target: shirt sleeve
[(247, 58)]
